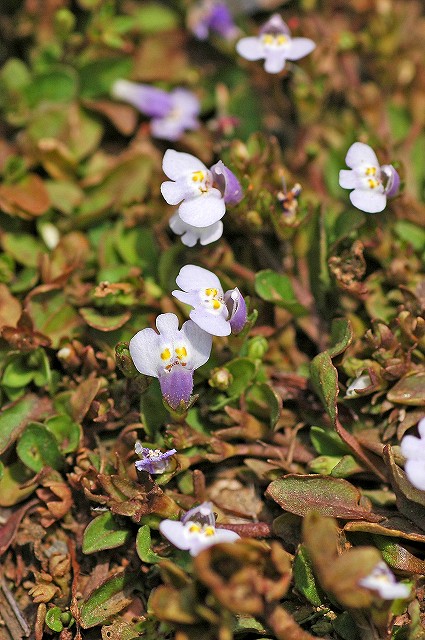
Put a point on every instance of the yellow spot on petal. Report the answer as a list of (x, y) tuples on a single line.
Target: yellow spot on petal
[(181, 352), (198, 176), (371, 171), (166, 354), (373, 183), (268, 39), (211, 292), (216, 304), (194, 528), (282, 39), (209, 531)]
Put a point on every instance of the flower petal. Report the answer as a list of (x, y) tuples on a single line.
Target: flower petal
[(151, 101), (360, 153), (348, 179), (413, 448), (298, 48), (191, 298), (225, 535), (275, 61), (204, 210), (215, 325), (168, 326), (211, 233), (174, 532), (236, 306), (415, 471), (250, 48), (145, 352), (173, 192), (227, 182), (176, 164), (368, 201), (185, 101), (192, 277), (200, 344), (177, 385)]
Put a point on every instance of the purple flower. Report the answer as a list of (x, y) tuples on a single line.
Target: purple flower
[(152, 460), (191, 235), (172, 113), (372, 183), (413, 449), (382, 581), (275, 44), (213, 311), (172, 356), (212, 15), (201, 192), (196, 531)]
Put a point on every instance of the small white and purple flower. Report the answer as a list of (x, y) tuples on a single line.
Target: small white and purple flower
[(196, 531), (212, 15), (213, 310), (172, 112), (154, 461), (202, 193), (171, 356), (372, 184), (275, 44), (413, 449), (382, 581)]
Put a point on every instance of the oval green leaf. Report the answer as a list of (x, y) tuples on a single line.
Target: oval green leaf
[(38, 448), (104, 532)]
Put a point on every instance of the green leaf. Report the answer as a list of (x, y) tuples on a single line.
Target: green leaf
[(243, 371), (277, 288), (326, 495), (411, 233), (152, 409), (16, 417), (53, 619), (324, 378), (107, 600), (57, 85), (103, 322), (15, 484), (327, 443), (66, 431), (304, 577), (104, 532), (341, 336), (143, 546), (38, 448), (154, 17), (263, 402), (25, 249), (98, 76)]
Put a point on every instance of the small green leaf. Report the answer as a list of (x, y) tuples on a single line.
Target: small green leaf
[(143, 546), (411, 233), (327, 443), (104, 532), (53, 619), (107, 600), (154, 17), (98, 76), (66, 431), (263, 402), (56, 85), (15, 418), (277, 288), (243, 371), (38, 448), (304, 577), (324, 378)]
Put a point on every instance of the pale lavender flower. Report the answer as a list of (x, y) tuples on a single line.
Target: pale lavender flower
[(372, 183), (201, 192), (382, 581), (152, 460), (212, 15), (275, 44), (196, 531), (172, 356), (413, 449), (191, 235), (216, 312), (172, 112)]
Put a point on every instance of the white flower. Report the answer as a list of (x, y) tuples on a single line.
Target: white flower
[(372, 183), (191, 184), (275, 44), (216, 312), (413, 449), (190, 235), (383, 581), (196, 531), (360, 383), (172, 356)]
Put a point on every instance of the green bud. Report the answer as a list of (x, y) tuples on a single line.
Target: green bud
[(64, 22), (220, 379), (257, 347)]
